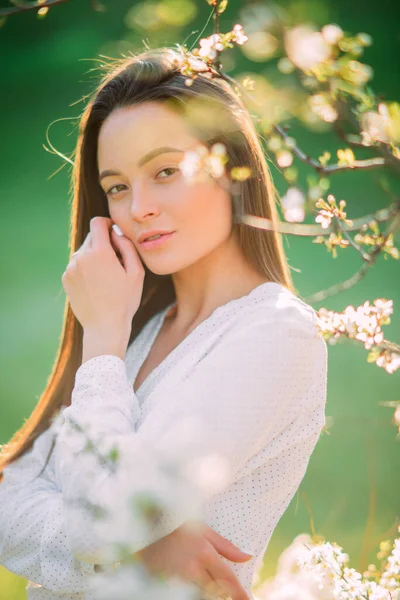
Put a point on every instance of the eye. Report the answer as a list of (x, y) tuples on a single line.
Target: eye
[(110, 192), (167, 169), (114, 186)]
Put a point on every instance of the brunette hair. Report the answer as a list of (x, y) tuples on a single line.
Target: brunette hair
[(155, 75)]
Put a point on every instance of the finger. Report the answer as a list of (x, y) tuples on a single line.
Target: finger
[(85, 246), (209, 586), (226, 548), (126, 248), (227, 580), (100, 230)]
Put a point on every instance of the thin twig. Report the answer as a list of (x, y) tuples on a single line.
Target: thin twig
[(91, 445), (351, 139), (369, 163), (365, 256), (25, 7), (354, 279)]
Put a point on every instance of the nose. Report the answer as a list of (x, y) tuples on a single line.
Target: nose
[(143, 203)]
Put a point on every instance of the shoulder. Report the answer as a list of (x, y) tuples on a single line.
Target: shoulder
[(276, 312), (276, 338)]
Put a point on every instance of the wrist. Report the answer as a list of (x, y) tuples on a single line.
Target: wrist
[(97, 342)]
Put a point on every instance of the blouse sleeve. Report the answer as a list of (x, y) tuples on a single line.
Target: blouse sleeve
[(33, 541), (248, 393)]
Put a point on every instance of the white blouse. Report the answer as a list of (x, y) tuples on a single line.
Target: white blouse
[(254, 376)]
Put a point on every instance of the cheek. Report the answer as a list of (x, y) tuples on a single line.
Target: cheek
[(206, 208), (117, 211)]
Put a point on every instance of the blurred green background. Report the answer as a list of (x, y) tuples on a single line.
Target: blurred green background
[(352, 477)]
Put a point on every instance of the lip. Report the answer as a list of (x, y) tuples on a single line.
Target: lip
[(150, 233), (148, 245)]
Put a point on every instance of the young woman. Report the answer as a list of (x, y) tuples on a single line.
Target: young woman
[(203, 324)]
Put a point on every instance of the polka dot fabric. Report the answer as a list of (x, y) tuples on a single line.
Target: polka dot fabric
[(253, 376)]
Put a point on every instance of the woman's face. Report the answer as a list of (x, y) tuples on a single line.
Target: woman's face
[(153, 194)]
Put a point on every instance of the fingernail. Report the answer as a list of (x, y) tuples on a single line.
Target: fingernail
[(117, 229)]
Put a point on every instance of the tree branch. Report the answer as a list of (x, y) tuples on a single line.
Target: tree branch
[(314, 230), (354, 279), (329, 169), (26, 6), (285, 227), (321, 169)]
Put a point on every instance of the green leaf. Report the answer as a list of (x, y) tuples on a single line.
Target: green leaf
[(42, 12), (222, 6), (113, 454)]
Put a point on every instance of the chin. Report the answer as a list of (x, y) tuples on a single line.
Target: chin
[(161, 268), (167, 265)]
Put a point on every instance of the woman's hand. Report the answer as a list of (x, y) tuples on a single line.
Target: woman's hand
[(192, 553), (103, 291)]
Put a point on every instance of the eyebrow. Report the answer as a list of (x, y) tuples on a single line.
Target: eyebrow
[(146, 158)]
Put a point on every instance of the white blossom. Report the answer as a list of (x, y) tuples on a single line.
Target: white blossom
[(293, 205), (210, 45), (305, 47)]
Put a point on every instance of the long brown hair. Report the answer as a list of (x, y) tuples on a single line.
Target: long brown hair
[(155, 75)]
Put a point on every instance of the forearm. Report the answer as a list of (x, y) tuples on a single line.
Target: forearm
[(106, 409), (33, 541), (103, 407)]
